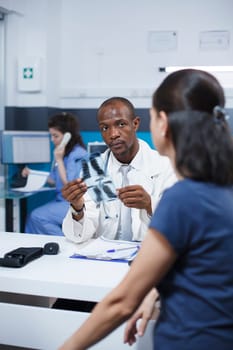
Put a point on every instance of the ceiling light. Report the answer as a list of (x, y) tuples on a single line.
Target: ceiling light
[(170, 69)]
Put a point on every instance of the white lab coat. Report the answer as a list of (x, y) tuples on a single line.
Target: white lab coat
[(150, 170)]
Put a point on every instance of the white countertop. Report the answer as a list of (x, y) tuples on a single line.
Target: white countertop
[(58, 275)]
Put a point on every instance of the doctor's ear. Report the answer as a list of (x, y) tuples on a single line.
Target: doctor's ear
[(136, 123)]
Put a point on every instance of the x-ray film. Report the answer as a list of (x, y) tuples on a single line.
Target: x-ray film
[(99, 184)]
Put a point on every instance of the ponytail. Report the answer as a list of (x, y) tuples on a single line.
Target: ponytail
[(203, 144)]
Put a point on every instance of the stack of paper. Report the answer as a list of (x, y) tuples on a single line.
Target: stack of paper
[(35, 181), (112, 250)]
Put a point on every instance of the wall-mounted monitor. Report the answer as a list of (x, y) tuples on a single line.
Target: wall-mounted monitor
[(97, 146), (22, 147)]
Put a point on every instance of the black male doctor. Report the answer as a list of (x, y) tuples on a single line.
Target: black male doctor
[(148, 174)]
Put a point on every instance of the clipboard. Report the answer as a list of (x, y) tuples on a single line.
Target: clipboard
[(102, 249)]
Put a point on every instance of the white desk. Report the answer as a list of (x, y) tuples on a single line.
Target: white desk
[(54, 276)]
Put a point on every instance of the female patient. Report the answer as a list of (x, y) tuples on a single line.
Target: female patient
[(187, 253), (48, 218)]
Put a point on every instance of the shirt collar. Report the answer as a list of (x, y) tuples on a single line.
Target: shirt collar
[(135, 163)]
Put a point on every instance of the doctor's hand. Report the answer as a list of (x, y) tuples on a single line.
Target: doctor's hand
[(73, 192), (144, 313), (135, 196)]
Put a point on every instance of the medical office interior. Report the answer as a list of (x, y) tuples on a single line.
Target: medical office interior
[(71, 55)]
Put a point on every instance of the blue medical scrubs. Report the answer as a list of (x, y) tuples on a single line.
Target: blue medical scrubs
[(47, 219)]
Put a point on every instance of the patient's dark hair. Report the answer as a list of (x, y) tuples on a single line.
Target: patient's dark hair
[(67, 122), (193, 101)]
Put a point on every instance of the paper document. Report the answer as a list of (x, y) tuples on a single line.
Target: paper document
[(105, 249), (35, 181)]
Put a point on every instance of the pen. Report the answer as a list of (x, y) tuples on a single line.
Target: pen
[(120, 249)]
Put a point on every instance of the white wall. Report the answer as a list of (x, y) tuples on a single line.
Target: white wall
[(95, 49), (112, 42), (28, 34)]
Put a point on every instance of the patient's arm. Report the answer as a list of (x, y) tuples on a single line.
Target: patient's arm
[(146, 311)]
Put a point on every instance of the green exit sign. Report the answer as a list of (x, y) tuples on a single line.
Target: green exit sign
[(27, 73)]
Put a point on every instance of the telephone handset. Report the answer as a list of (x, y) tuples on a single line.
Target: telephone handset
[(65, 140)]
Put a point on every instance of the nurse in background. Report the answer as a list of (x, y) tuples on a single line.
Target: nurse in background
[(47, 219)]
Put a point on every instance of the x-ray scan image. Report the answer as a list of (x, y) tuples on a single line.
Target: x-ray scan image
[(99, 184)]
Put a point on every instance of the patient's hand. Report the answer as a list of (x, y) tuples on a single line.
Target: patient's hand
[(145, 312)]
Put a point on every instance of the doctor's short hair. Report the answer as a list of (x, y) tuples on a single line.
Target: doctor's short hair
[(123, 100)]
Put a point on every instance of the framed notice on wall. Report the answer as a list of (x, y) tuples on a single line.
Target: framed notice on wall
[(214, 40), (162, 41)]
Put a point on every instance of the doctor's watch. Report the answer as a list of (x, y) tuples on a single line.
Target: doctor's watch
[(77, 214)]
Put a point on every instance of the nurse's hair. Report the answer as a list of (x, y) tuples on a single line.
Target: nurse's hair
[(67, 122), (194, 103)]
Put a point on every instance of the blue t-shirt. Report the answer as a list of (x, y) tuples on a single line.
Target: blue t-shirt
[(197, 293), (73, 166)]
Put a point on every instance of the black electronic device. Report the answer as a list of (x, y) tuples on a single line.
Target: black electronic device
[(96, 146), (51, 248), (21, 256)]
